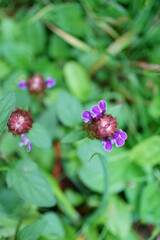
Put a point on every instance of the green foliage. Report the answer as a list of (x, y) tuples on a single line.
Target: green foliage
[(30, 184), (68, 186), (39, 136), (77, 80), (6, 106), (69, 109)]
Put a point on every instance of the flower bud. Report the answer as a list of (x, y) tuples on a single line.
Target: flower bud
[(36, 84), (20, 122)]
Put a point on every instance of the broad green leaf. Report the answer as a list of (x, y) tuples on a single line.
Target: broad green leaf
[(69, 17), (69, 109), (34, 34), (118, 218), (27, 180), (149, 204), (6, 106), (87, 148), (39, 136), (77, 80), (53, 225), (58, 48), (92, 174), (100, 210), (74, 136), (32, 230), (48, 119), (147, 152), (19, 55)]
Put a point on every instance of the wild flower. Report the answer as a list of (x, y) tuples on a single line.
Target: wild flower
[(36, 84), (19, 123), (103, 126)]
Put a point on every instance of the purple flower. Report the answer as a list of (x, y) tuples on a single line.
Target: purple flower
[(86, 115), (22, 84), (25, 142), (36, 84), (103, 126), (107, 144), (50, 82)]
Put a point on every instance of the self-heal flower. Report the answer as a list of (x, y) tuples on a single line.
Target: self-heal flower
[(25, 142), (19, 123), (103, 126), (36, 84)]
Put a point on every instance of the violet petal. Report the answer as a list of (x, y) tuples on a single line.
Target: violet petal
[(119, 142), (50, 82), (22, 84), (96, 113), (103, 106), (29, 147), (107, 144), (25, 142), (86, 115), (123, 134)]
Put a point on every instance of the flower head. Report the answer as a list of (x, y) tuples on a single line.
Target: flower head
[(36, 84), (103, 126), (19, 123)]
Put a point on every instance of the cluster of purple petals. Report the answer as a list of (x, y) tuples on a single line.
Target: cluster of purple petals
[(97, 111), (50, 82), (118, 138), (25, 142)]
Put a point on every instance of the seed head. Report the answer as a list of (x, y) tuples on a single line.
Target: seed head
[(20, 122)]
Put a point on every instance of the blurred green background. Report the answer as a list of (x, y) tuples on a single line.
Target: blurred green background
[(95, 49)]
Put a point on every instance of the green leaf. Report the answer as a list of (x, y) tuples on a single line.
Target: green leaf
[(32, 230), (48, 119), (58, 48), (118, 165), (53, 225), (39, 136), (77, 80), (147, 152), (92, 175), (69, 17), (19, 55), (6, 106), (69, 109), (100, 210), (74, 136), (149, 204), (34, 34), (27, 180), (118, 218)]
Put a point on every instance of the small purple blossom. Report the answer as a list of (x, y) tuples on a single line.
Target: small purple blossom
[(25, 142), (103, 126), (22, 84), (50, 82), (37, 84), (103, 106), (107, 144), (96, 112), (86, 115)]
